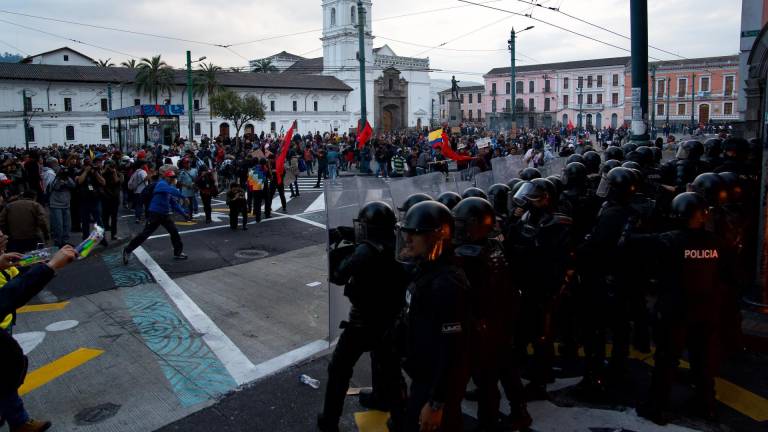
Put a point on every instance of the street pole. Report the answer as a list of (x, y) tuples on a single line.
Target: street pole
[(693, 99), (109, 108), (668, 90), (26, 121), (512, 83), (639, 44), (653, 104), (581, 110), (361, 58), (189, 97)]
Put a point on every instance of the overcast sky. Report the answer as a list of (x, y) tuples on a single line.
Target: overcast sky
[(691, 28)]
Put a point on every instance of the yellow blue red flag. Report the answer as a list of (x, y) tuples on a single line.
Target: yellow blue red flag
[(436, 138)]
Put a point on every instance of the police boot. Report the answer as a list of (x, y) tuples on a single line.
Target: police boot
[(518, 419), (32, 426), (372, 401), (324, 425)]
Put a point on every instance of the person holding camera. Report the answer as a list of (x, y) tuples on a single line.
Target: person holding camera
[(90, 183), (61, 195)]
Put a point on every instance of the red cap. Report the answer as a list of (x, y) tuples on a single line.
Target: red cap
[(170, 174), (141, 154)]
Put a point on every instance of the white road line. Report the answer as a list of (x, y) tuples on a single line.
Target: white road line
[(216, 227), (282, 361), (317, 204), (238, 365), (301, 219)]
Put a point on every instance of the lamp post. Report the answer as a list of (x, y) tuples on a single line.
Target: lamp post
[(512, 84), (189, 94), (639, 45), (361, 58)]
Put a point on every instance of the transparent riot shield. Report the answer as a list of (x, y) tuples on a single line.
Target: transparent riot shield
[(553, 167), (483, 180), (507, 168), (342, 204), (431, 184)]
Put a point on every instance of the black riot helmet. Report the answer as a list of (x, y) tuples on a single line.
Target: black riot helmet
[(613, 153), (713, 147), (712, 187), (622, 184), (559, 185), (574, 175), (527, 193), (412, 201), (628, 148), (574, 158), (512, 183), (657, 154), (425, 233), (592, 162), (602, 188), (690, 150), (498, 195), (632, 165), (644, 156), (736, 149), (449, 199), (690, 209), (375, 222), (474, 220), (529, 174), (732, 187), (609, 165), (474, 192)]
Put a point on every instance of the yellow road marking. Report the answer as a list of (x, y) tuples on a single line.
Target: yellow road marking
[(186, 223), (742, 400), (57, 368), (371, 421), (221, 209), (42, 307)]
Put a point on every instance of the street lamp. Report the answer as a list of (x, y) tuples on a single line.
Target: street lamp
[(512, 83), (189, 93)]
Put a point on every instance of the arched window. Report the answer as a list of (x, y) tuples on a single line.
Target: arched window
[(353, 13), (614, 120), (565, 120), (70, 133), (333, 17)]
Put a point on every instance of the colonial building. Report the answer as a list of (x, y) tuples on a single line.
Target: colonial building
[(68, 104), (470, 101), (582, 92), (406, 103), (691, 91)]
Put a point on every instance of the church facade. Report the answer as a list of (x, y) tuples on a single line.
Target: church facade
[(397, 88)]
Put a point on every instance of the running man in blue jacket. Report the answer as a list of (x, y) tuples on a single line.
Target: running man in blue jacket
[(163, 201)]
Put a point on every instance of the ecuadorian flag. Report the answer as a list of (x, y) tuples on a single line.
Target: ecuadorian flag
[(436, 138)]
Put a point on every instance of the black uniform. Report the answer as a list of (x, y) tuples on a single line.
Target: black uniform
[(376, 288), (436, 357)]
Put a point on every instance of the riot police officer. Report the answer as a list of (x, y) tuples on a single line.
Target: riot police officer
[(688, 305), (474, 192), (498, 196), (493, 310), (435, 318), (583, 206), (529, 174), (375, 285), (539, 244), (686, 164), (449, 199), (411, 201), (592, 163)]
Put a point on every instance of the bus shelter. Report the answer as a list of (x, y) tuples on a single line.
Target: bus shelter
[(134, 126)]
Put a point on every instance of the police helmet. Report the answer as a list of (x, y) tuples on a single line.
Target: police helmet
[(431, 220), (574, 175), (529, 174), (412, 201), (689, 205), (712, 187), (474, 192), (498, 195), (609, 165), (375, 221), (713, 147), (690, 150), (513, 182), (732, 186), (632, 165), (644, 156), (574, 158), (621, 184), (613, 153), (449, 199), (592, 162), (628, 148), (736, 148), (474, 219)]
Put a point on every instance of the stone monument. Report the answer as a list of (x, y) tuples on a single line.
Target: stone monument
[(454, 105)]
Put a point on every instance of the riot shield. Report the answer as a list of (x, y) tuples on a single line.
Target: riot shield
[(342, 204), (553, 167), (431, 184), (507, 168), (483, 180)]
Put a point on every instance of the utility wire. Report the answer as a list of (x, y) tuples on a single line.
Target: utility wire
[(556, 26), (473, 31), (69, 39), (16, 48), (581, 20)]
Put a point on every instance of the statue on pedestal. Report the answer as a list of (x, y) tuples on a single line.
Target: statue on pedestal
[(454, 88)]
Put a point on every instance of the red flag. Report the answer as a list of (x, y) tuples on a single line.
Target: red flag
[(280, 163), (364, 135), (448, 152)]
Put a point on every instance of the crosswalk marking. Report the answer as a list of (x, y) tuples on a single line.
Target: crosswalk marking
[(57, 368)]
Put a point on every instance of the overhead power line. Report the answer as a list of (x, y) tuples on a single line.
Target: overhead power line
[(556, 26), (581, 20), (15, 48)]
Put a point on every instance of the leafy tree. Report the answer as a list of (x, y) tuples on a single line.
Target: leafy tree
[(206, 82), (130, 64), (7, 57), (264, 66), (105, 63), (154, 77), (239, 110)]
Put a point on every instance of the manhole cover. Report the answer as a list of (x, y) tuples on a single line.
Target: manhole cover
[(96, 414), (251, 254)]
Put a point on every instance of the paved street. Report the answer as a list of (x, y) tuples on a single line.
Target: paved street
[(163, 345)]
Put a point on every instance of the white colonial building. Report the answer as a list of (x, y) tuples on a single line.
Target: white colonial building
[(397, 88), (68, 98)]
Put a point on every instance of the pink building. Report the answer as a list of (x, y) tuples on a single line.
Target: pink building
[(586, 92)]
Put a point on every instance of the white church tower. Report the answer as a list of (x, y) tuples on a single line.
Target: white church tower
[(340, 47)]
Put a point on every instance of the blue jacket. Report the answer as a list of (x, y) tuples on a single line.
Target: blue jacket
[(162, 199)]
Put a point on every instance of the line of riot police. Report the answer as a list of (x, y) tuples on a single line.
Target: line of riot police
[(484, 286)]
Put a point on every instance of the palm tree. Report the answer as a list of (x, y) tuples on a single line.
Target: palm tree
[(130, 64), (264, 66), (105, 63), (207, 83), (154, 77)]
